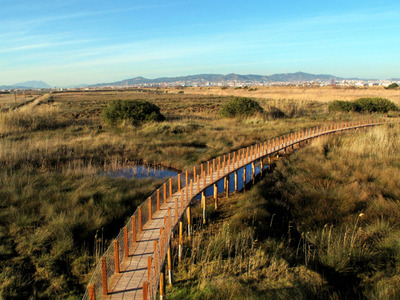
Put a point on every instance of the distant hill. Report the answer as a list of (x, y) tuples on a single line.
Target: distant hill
[(34, 84), (214, 78)]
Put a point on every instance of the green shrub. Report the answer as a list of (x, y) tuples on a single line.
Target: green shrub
[(132, 111), (379, 105), (339, 105), (240, 107), (392, 86)]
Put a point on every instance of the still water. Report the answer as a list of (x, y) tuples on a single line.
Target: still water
[(160, 172), (143, 171)]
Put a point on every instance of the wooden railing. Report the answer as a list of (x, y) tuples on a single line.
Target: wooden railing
[(181, 190)]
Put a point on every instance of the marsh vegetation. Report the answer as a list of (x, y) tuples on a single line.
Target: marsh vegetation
[(324, 224), (58, 213)]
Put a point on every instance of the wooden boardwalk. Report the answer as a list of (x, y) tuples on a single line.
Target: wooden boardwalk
[(133, 271)]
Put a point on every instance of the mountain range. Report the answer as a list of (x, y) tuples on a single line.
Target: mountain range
[(198, 79), (33, 84), (214, 78)]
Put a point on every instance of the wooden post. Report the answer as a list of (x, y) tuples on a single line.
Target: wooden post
[(218, 172), (213, 164), (145, 290), (91, 292), (104, 276), (126, 246), (208, 167), (133, 229), (169, 262), (189, 220), (236, 181), (216, 196), (155, 246), (162, 286), (148, 267), (187, 194), (194, 173), (227, 186), (158, 199), (187, 179), (140, 219), (170, 187), (203, 199), (198, 183), (244, 178), (253, 171), (165, 193), (150, 212), (180, 241), (116, 257), (191, 188), (179, 182)]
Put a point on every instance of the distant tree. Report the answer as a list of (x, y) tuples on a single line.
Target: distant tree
[(132, 111)]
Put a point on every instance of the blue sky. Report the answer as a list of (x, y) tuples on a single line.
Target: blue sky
[(71, 42)]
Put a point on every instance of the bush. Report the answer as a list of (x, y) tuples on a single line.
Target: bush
[(274, 113), (392, 86), (133, 111), (240, 107), (339, 105), (379, 105)]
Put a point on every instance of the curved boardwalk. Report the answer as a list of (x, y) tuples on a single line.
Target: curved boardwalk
[(142, 264)]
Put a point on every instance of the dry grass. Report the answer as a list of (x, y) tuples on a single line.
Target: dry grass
[(8, 101), (230, 260), (324, 224), (320, 94), (50, 158)]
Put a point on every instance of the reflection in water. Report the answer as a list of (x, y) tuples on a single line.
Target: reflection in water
[(143, 171), (159, 172), (220, 184)]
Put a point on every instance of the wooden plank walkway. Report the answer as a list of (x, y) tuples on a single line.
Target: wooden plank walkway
[(133, 271), (128, 283)]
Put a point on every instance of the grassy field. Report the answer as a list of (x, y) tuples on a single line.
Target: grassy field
[(323, 225), (58, 213), (8, 101), (320, 94)]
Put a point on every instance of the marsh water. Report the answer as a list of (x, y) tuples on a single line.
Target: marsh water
[(221, 183), (143, 171), (160, 172)]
